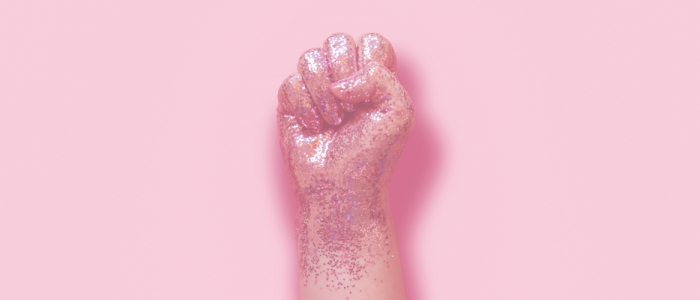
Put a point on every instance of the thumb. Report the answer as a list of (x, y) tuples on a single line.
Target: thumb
[(367, 84), (379, 85)]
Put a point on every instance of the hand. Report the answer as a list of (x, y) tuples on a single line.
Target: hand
[(343, 122)]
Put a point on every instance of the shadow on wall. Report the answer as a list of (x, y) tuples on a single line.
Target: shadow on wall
[(412, 180), (414, 177), (287, 203)]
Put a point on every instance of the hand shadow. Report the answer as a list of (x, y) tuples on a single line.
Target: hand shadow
[(413, 178), (411, 181)]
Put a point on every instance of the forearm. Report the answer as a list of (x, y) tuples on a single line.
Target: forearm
[(347, 247), (341, 163)]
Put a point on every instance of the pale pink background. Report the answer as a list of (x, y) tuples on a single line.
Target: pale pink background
[(556, 153)]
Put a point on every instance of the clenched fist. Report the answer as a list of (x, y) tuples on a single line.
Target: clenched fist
[(343, 122)]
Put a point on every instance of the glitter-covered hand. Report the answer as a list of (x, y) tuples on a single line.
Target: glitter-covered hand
[(343, 121)]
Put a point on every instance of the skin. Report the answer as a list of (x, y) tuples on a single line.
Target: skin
[(343, 122)]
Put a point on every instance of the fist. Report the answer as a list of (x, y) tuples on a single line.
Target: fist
[(344, 107), (343, 122)]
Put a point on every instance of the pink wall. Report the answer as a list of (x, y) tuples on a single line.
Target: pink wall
[(555, 155)]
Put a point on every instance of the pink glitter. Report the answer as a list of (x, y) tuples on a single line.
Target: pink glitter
[(341, 168)]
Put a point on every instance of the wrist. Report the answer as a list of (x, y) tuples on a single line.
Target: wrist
[(342, 235)]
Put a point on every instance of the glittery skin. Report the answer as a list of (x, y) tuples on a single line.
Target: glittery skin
[(294, 97), (313, 67), (341, 173), (342, 58), (375, 48)]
